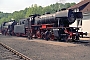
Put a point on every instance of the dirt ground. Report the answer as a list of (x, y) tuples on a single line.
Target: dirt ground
[(38, 49)]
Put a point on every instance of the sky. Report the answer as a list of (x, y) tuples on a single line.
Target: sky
[(9, 6)]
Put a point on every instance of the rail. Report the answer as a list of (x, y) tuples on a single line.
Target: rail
[(15, 52)]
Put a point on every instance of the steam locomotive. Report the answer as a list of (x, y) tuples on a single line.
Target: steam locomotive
[(8, 27), (47, 26)]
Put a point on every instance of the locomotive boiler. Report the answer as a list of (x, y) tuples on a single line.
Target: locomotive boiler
[(64, 17)]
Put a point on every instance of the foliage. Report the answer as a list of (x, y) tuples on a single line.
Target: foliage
[(34, 9)]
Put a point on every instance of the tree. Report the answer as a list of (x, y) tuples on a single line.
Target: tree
[(67, 5), (34, 9)]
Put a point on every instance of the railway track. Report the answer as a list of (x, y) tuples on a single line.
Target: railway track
[(9, 53), (82, 42)]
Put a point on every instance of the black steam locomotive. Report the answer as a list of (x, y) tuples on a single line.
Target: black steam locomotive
[(48, 26), (8, 27)]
